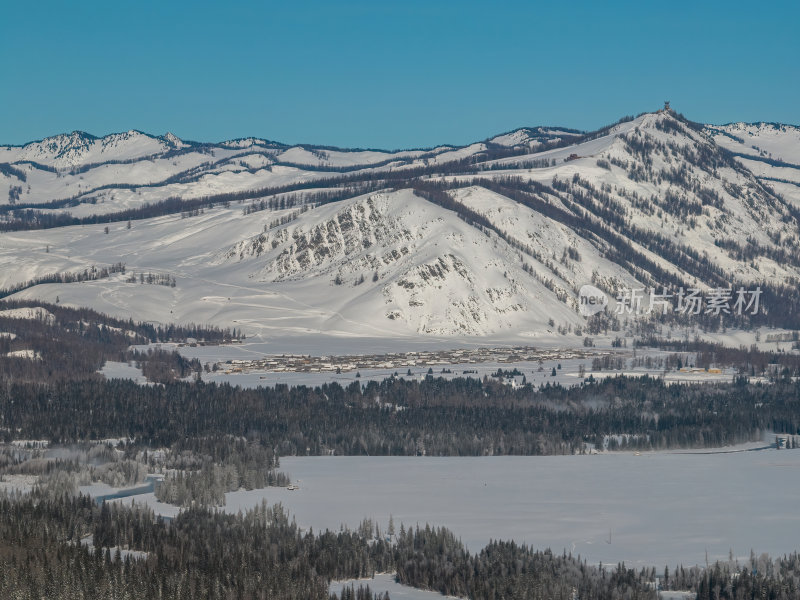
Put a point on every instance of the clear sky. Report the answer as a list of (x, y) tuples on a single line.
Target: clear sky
[(388, 74)]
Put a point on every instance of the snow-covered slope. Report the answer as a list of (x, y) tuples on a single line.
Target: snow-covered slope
[(534, 138), (385, 264), (770, 150), (771, 140), (492, 239), (396, 256)]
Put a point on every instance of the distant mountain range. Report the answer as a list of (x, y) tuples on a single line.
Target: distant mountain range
[(494, 239)]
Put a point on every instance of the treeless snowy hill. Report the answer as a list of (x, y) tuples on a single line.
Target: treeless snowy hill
[(494, 239)]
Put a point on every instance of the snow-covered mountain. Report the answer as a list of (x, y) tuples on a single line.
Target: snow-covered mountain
[(79, 149), (493, 239)]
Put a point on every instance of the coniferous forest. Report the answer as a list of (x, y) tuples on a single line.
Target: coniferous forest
[(263, 554)]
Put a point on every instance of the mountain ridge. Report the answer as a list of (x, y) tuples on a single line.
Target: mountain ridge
[(339, 241)]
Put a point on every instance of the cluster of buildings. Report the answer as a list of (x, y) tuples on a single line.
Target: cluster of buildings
[(303, 363)]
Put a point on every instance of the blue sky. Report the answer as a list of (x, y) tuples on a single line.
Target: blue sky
[(388, 74)]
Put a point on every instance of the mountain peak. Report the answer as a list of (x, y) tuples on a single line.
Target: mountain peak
[(172, 139)]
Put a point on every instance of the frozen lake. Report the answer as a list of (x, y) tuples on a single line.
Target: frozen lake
[(659, 508), (655, 509)]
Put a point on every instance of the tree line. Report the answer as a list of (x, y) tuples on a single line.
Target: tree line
[(459, 417)]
